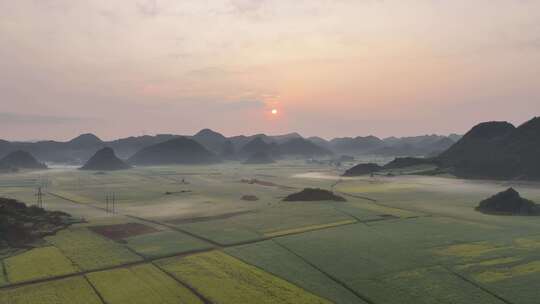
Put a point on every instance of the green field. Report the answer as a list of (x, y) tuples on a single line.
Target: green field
[(272, 220), (403, 239), (140, 285), (223, 279), (38, 263), (56, 292), (277, 260), (91, 251), (165, 243)]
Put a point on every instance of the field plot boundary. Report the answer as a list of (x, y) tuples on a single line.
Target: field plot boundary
[(4, 273), (299, 261), (331, 277), (358, 196), (186, 285), (94, 289), (310, 228), (216, 272), (127, 284), (209, 218)]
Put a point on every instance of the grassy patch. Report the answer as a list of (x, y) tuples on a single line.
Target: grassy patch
[(224, 279), (91, 251), (140, 285), (506, 273), (466, 250), (164, 243), (38, 263), (528, 243), (491, 262), (66, 291), (308, 228)]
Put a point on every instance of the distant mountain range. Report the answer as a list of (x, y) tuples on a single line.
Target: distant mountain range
[(82, 148), (493, 150)]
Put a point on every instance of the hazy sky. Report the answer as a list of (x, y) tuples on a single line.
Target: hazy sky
[(330, 67)]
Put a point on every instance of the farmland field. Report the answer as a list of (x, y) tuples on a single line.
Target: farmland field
[(139, 285), (277, 260), (91, 251), (57, 292), (224, 279), (402, 239), (38, 263), (165, 243)]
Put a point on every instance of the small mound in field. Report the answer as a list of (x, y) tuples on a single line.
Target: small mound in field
[(21, 225), (314, 194), (508, 202), (105, 160), (250, 198), (363, 169), (121, 231)]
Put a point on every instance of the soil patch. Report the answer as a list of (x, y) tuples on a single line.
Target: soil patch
[(122, 231)]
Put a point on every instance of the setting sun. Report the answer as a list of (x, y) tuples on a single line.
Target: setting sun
[(274, 112)]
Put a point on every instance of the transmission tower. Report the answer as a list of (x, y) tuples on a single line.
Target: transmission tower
[(113, 203), (39, 198)]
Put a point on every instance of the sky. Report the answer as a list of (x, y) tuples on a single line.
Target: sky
[(330, 68)]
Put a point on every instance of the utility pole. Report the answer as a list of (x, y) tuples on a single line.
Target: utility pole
[(107, 202)]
